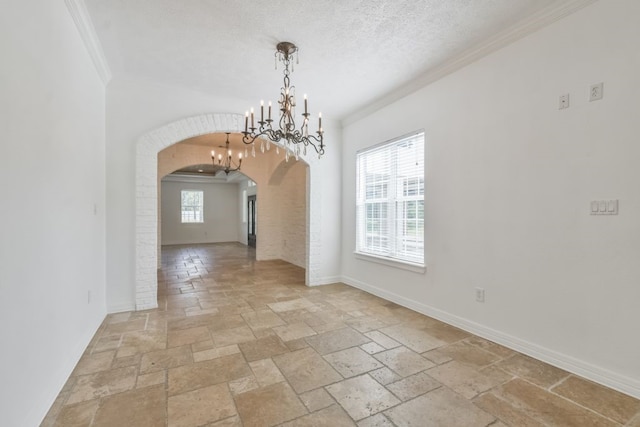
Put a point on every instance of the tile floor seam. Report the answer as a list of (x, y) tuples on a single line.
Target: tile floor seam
[(500, 360), (235, 404), (93, 417), (586, 408), (418, 395), (560, 381), (506, 401), (484, 349), (634, 420), (424, 394), (569, 400)]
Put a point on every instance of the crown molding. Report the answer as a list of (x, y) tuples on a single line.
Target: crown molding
[(232, 178), (80, 14), (514, 33)]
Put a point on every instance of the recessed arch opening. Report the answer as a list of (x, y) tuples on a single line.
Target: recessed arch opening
[(148, 149)]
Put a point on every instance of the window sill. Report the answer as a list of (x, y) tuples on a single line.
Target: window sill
[(403, 265)]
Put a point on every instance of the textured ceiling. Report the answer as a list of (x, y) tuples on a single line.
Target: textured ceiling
[(352, 52)]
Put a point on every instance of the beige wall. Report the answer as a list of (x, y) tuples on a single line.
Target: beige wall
[(221, 212)]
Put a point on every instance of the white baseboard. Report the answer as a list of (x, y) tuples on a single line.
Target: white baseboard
[(328, 280), (579, 367), (121, 307)]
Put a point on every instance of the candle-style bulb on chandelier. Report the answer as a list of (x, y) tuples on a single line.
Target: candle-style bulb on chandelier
[(295, 141), (225, 160)]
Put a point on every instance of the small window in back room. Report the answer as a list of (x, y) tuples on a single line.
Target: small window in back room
[(192, 202), (390, 200)]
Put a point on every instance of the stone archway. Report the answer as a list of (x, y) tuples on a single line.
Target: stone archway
[(147, 148)]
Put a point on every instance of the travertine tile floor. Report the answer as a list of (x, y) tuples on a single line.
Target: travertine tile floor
[(237, 342)]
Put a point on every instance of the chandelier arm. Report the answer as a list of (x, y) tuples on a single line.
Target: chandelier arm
[(286, 134), (320, 147), (296, 138), (229, 165)]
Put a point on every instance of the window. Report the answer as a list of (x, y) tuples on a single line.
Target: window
[(390, 200), (192, 202)]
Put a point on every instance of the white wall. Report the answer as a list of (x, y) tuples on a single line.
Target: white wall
[(221, 215), (509, 179), (137, 107), (329, 211), (52, 113)]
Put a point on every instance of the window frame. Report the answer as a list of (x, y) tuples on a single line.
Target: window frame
[(201, 206), (396, 203)]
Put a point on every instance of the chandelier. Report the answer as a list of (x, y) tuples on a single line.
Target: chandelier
[(226, 161), (295, 141)]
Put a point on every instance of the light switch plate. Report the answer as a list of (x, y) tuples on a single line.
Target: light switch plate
[(604, 207)]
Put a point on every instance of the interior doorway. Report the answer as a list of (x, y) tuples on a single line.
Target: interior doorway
[(147, 248), (251, 225)]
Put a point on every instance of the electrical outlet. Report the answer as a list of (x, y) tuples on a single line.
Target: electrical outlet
[(563, 102), (479, 294), (595, 92)]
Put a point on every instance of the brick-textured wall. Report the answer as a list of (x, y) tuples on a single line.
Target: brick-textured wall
[(279, 206), (289, 182)]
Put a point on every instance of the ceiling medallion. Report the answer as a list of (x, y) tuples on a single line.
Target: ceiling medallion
[(295, 141)]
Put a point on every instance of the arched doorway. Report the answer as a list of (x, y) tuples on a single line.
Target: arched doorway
[(147, 149)]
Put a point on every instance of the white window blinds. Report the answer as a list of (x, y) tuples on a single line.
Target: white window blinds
[(390, 200)]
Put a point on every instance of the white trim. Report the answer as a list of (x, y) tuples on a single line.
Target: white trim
[(120, 307), (516, 32), (391, 141), (391, 262), (328, 280), (84, 24), (233, 178), (579, 367)]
